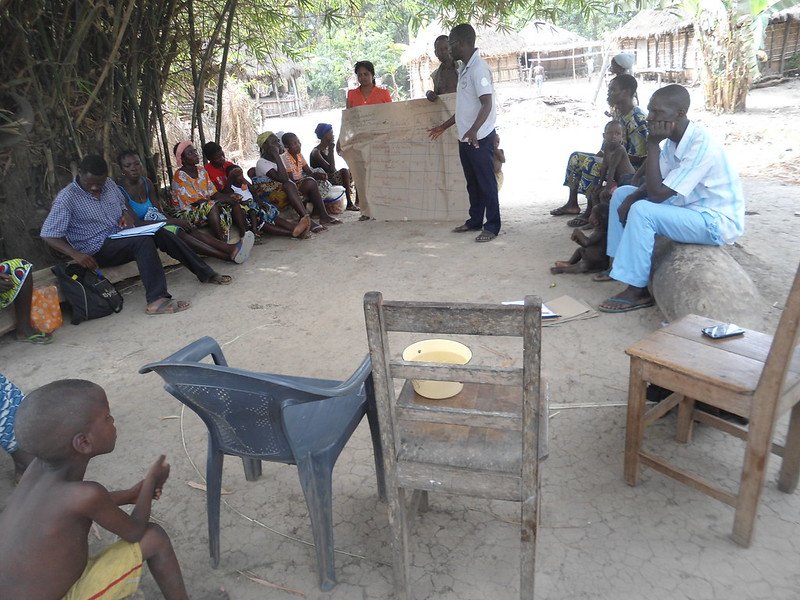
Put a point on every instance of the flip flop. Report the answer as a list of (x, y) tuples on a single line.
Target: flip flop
[(317, 228), (364, 218), (625, 305), (485, 236), (578, 222), (563, 210), (353, 207), (245, 245), (332, 222), (218, 279), (40, 337), (168, 306), (463, 228)]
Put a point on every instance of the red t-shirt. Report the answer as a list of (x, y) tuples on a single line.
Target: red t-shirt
[(378, 95), (217, 176)]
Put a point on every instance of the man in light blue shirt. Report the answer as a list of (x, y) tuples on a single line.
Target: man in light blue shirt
[(474, 120), (691, 195)]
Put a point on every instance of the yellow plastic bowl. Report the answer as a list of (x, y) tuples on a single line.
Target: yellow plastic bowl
[(437, 351)]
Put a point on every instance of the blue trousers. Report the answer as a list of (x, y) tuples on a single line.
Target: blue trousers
[(632, 245), (478, 165)]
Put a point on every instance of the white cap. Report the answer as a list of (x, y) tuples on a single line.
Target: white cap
[(624, 60)]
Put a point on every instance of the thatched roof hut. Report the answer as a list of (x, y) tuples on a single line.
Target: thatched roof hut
[(508, 53), (652, 23), (663, 42)]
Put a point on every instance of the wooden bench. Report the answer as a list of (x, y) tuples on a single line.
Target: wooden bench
[(44, 277)]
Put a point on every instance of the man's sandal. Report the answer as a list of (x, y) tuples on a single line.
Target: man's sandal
[(485, 236), (168, 306)]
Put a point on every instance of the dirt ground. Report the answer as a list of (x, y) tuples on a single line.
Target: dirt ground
[(296, 307)]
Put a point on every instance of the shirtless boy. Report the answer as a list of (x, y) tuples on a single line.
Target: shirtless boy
[(591, 256), (45, 526)]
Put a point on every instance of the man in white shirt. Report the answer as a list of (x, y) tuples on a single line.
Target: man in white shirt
[(691, 195), (474, 119)]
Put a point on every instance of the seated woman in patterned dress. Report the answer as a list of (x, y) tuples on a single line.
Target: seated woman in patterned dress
[(196, 200), (143, 202), (16, 287), (263, 215), (323, 157), (584, 168), (272, 183)]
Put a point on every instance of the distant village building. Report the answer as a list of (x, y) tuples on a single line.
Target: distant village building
[(510, 55), (664, 46)]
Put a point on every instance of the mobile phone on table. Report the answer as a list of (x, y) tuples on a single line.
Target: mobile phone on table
[(724, 330)]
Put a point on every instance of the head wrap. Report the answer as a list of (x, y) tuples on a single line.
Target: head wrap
[(182, 146), (322, 129), (262, 138), (624, 60)]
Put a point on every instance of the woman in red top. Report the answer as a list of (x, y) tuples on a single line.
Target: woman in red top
[(366, 92), (216, 165)]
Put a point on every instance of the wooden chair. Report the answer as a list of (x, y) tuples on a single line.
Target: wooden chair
[(483, 442), (754, 376)]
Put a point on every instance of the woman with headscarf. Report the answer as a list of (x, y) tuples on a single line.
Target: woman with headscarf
[(196, 200), (272, 183), (584, 168), (366, 92), (323, 157)]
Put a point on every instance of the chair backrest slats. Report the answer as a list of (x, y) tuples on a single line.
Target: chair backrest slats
[(463, 373), (467, 418), (782, 351), (455, 319)]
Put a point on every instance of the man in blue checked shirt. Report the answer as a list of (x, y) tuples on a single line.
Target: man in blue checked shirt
[(92, 208), (691, 195)]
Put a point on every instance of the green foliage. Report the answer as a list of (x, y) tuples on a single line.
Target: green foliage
[(331, 65), (597, 25)]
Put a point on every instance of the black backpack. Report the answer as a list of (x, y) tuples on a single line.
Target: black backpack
[(90, 295)]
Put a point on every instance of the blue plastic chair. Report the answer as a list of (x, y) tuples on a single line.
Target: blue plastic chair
[(278, 418)]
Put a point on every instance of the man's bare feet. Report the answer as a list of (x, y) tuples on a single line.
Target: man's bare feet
[(562, 263)]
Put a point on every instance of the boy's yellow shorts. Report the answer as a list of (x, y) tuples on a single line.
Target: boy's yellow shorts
[(113, 574)]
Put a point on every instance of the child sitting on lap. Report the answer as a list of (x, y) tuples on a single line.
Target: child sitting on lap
[(45, 526)]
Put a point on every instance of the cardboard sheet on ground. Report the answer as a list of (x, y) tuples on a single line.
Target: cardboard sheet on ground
[(570, 309), (562, 310), (399, 172)]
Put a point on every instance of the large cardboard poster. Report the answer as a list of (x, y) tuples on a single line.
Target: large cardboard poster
[(400, 173)]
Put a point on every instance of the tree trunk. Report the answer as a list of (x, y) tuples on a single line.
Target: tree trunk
[(724, 40)]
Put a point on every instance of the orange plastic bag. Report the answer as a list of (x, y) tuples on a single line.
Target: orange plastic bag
[(46, 309)]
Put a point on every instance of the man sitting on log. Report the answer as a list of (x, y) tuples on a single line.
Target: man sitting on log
[(691, 195)]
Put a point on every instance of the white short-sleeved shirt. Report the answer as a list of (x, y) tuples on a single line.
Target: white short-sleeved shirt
[(699, 171), (264, 166), (474, 81)]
